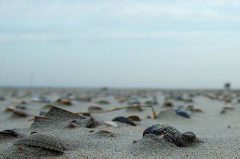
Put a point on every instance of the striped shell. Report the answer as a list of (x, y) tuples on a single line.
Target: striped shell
[(44, 141), (169, 133)]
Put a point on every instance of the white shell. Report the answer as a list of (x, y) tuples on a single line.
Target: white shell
[(111, 124)]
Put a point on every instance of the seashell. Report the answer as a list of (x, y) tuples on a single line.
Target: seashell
[(9, 109), (91, 123), (169, 133), (61, 114), (48, 106), (182, 113), (64, 101), (189, 136), (228, 107), (86, 114), (110, 123), (43, 141), (168, 104), (125, 120), (134, 118), (20, 113), (62, 118), (94, 108), (9, 133)]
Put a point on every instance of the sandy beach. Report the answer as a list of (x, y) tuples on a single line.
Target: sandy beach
[(217, 133)]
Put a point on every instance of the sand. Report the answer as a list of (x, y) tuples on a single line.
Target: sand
[(219, 133)]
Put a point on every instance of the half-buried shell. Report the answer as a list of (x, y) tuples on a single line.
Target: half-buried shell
[(44, 141)]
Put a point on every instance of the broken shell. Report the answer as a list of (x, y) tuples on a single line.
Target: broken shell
[(125, 120)]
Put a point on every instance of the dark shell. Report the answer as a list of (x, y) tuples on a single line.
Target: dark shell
[(125, 120), (91, 123), (9, 134), (169, 133), (182, 113), (168, 104)]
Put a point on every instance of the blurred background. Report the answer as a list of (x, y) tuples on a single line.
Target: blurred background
[(130, 44)]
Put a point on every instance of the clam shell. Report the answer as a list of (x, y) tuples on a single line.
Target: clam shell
[(169, 133)]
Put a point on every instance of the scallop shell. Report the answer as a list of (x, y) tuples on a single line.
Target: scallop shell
[(44, 141)]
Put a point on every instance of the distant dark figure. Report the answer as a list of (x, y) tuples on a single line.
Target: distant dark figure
[(227, 86)]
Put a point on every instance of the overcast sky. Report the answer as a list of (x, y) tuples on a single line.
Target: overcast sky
[(138, 43)]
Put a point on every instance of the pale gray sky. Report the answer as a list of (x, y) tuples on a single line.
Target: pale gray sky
[(138, 43)]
